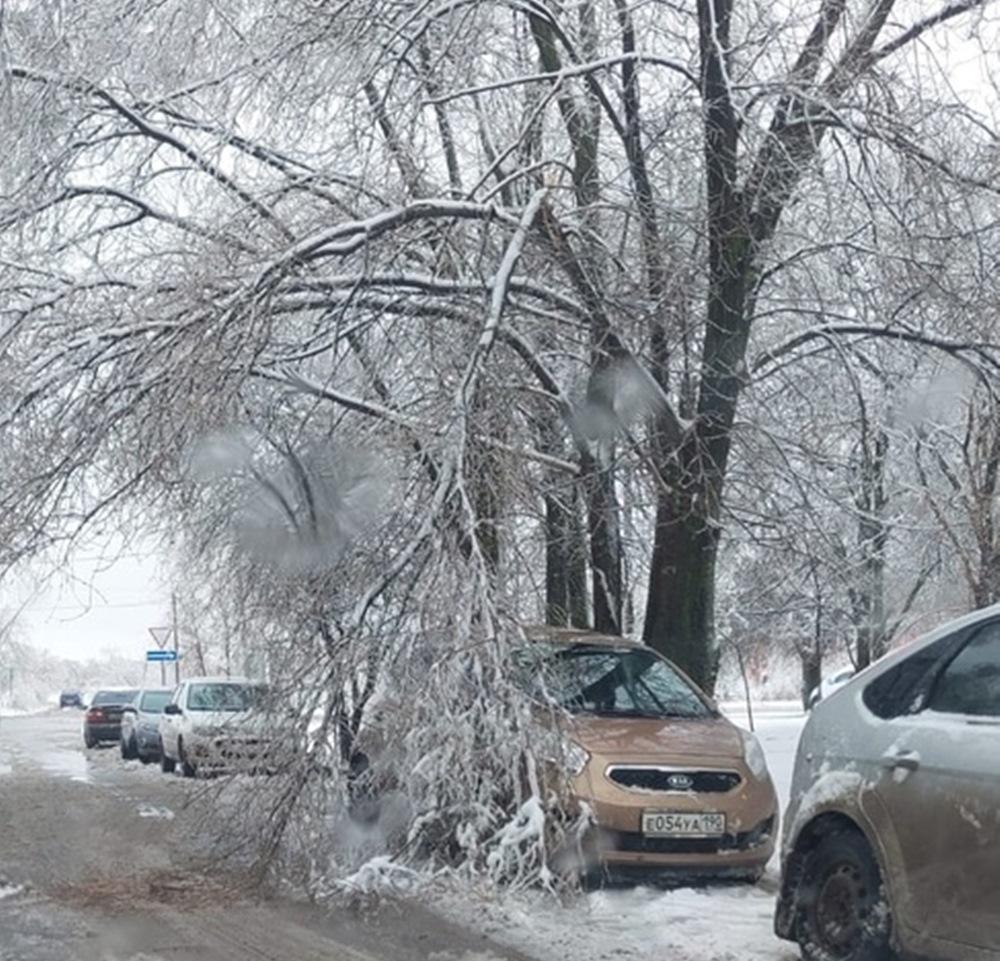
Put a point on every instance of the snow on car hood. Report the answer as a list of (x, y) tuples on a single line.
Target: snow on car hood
[(642, 736)]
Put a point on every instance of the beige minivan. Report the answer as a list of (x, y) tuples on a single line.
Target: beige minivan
[(674, 786), (892, 838)]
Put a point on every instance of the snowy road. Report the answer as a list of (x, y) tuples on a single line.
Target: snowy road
[(97, 863)]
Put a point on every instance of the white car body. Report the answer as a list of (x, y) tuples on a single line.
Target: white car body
[(197, 737), (889, 756)]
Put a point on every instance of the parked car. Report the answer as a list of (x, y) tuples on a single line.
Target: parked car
[(70, 699), (217, 724), (828, 685), (892, 837), (102, 721), (140, 726), (674, 787)]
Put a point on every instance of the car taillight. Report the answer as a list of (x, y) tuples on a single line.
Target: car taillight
[(95, 714)]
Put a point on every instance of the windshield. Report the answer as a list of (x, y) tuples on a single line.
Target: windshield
[(153, 702), (224, 697), (611, 682), (102, 698)]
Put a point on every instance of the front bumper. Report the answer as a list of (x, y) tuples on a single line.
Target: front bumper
[(226, 752), (619, 844), (148, 741)]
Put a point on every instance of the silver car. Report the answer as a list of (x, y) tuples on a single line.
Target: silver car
[(140, 730), (892, 838)]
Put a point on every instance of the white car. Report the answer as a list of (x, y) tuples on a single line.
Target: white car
[(892, 837), (215, 723), (828, 685)]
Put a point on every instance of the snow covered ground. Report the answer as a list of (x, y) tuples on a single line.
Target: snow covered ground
[(709, 923)]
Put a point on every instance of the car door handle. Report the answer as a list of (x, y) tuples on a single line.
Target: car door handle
[(906, 760)]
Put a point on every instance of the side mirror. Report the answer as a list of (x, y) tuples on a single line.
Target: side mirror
[(129, 709), (173, 709)]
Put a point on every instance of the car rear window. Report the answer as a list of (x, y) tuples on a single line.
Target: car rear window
[(104, 698), (154, 701), (614, 682)]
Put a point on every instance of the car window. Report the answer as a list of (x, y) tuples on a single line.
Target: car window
[(224, 697), (903, 688), (154, 701), (617, 683), (970, 684), (102, 698)]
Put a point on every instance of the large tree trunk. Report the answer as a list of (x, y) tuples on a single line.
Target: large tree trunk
[(680, 608)]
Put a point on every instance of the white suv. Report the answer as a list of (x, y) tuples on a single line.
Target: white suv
[(215, 723)]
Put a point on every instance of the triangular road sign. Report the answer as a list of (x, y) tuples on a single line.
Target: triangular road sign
[(161, 635)]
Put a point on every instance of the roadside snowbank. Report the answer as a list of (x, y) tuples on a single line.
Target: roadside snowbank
[(714, 923)]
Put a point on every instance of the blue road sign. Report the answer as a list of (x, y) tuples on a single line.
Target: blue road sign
[(161, 655)]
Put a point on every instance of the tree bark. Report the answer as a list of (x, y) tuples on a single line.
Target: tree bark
[(565, 560), (680, 607), (812, 672), (873, 534)]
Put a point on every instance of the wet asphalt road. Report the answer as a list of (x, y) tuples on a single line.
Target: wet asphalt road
[(99, 862)]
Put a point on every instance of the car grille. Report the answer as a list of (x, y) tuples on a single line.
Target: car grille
[(674, 781), (240, 748), (633, 841)]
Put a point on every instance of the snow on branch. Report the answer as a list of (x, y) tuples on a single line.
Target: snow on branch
[(412, 425), (576, 70)]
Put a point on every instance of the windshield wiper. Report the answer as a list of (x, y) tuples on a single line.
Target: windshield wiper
[(650, 715)]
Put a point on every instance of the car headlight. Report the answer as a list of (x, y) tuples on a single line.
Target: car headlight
[(753, 754), (575, 758)]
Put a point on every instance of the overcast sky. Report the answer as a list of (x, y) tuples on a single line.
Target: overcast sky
[(106, 598)]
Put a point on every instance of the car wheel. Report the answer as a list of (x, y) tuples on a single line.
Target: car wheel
[(129, 749), (187, 769), (842, 913), (89, 740), (167, 764)]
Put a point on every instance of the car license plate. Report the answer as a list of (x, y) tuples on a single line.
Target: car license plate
[(677, 824)]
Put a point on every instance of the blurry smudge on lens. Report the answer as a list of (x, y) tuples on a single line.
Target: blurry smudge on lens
[(297, 510)]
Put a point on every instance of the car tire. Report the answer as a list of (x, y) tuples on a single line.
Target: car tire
[(89, 740), (841, 908), (187, 769), (129, 750), (167, 764)]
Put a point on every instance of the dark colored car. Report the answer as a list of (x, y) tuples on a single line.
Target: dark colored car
[(140, 727), (70, 699), (103, 720)]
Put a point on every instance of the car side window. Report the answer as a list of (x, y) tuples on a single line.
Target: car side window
[(970, 684), (903, 688)]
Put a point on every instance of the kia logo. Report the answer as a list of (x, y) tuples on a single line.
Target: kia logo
[(680, 782)]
